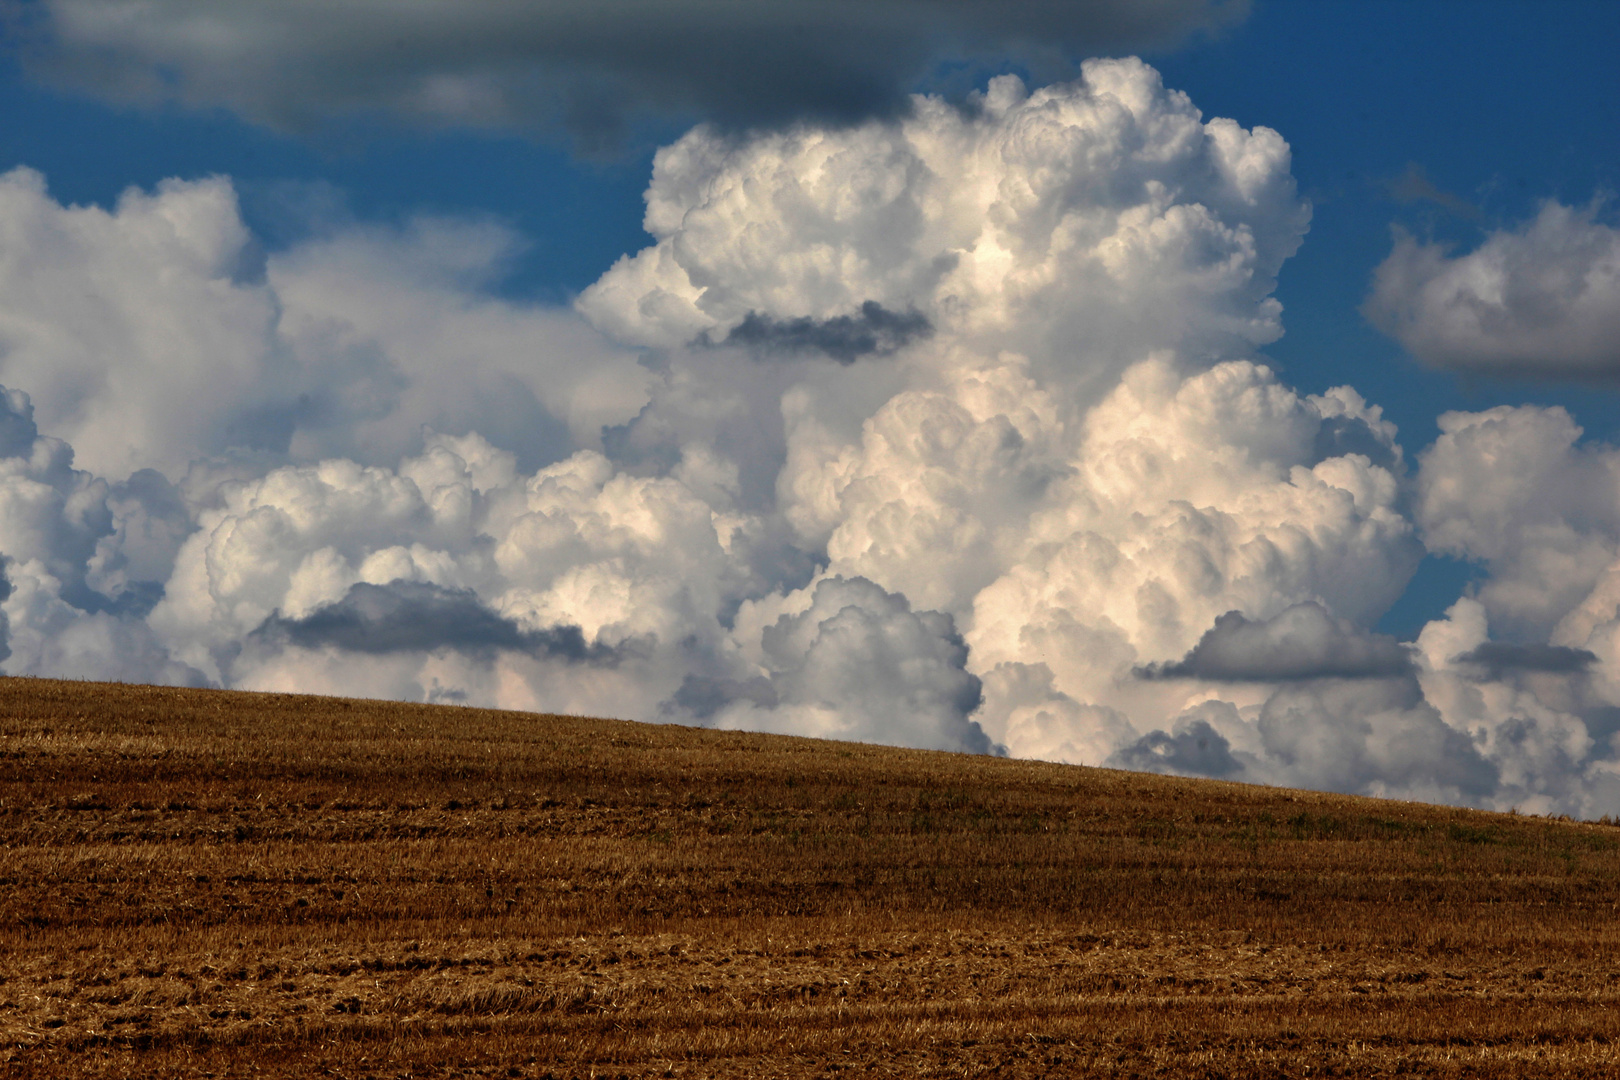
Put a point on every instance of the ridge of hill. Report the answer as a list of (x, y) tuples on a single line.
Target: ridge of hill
[(202, 882)]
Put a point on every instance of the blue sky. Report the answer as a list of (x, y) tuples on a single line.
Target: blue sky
[(398, 248), (1500, 105)]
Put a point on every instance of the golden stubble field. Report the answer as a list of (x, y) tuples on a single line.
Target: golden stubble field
[(200, 883)]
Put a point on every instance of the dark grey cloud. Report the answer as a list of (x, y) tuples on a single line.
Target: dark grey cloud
[(1302, 642), (875, 331), (410, 616), (586, 67), (701, 696), (1497, 658), (1196, 749)]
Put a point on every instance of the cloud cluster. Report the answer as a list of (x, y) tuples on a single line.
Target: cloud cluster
[(158, 334), (943, 430), (84, 560), (542, 63), (1510, 699), (1083, 225), (1541, 300), (1529, 664)]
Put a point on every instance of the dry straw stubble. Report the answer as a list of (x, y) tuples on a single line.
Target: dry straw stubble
[(203, 882)]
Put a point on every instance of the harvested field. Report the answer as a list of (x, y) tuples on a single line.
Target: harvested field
[(207, 883)]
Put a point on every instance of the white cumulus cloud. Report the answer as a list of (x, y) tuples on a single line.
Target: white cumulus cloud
[(1082, 224), (1541, 300), (158, 333)]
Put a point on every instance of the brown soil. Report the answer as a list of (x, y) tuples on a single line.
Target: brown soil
[(201, 883)]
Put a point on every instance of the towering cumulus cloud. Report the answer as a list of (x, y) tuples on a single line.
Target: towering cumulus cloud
[(947, 430)]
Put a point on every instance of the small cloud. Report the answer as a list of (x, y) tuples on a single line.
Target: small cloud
[(876, 331), (1302, 642), (1498, 658), (1539, 301), (411, 616), (1414, 185)]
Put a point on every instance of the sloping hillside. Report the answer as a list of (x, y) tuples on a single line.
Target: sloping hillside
[(212, 883)]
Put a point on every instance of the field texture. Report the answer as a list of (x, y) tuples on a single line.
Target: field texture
[(204, 883)]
